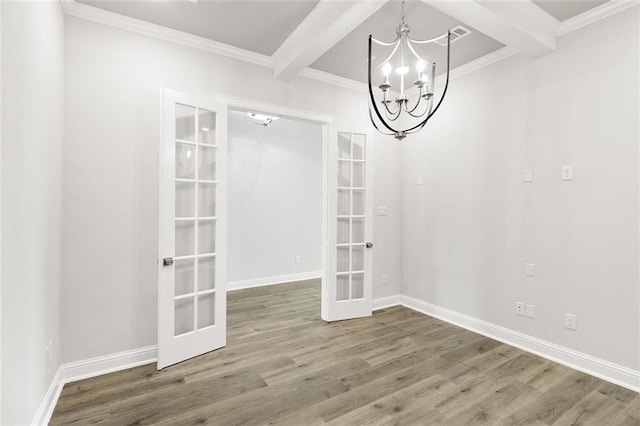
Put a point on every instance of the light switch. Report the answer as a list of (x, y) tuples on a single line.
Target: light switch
[(382, 210), (529, 270), (567, 172), (420, 181), (528, 176)]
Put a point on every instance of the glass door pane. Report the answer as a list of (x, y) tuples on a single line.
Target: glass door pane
[(195, 222), (350, 249)]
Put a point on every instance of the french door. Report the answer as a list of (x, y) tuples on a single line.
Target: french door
[(192, 247), (349, 247)]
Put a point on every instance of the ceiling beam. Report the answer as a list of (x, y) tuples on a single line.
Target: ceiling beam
[(521, 25), (327, 24)]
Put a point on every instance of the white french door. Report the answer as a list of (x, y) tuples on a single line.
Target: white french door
[(192, 243), (349, 248)]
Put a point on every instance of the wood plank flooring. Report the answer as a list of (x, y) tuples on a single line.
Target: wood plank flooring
[(284, 365)]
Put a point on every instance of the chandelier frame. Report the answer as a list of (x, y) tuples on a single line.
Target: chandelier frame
[(383, 125)]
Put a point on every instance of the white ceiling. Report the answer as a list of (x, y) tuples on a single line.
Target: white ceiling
[(331, 35)]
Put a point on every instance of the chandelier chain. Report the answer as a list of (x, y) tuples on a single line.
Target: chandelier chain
[(402, 15)]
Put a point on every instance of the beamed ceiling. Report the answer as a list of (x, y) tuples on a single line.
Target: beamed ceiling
[(331, 35)]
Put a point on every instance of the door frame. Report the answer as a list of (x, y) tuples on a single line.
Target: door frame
[(329, 136)]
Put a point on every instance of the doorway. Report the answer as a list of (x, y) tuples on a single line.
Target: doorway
[(194, 132), (274, 167)]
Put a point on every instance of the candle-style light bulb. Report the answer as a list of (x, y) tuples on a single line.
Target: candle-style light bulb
[(386, 70), (420, 67)]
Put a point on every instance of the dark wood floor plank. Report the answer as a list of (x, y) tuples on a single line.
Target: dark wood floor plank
[(284, 365)]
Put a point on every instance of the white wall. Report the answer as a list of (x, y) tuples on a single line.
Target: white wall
[(111, 172), (469, 230), (274, 198), (32, 144)]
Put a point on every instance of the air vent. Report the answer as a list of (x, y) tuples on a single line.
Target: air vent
[(456, 34)]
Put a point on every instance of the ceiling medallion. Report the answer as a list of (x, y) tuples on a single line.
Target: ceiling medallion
[(418, 108)]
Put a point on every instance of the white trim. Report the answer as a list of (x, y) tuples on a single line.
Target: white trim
[(95, 14), (91, 13), (481, 62), (279, 279), (327, 23), (234, 102), (85, 369), (386, 302), (98, 366), (334, 79), (609, 371), (49, 401), (605, 370), (594, 15)]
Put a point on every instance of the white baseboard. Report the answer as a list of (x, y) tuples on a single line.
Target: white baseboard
[(611, 372), (597, 367), (92, 367), (98, 366), (386, 302), (45, 410), (279, 279)]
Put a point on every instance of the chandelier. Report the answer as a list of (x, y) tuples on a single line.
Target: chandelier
[(414, 101)]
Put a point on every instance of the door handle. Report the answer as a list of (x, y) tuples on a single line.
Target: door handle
[(167, 261), (369, 244)]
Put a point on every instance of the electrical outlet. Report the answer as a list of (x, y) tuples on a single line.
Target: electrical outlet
[(420, 181), (528, 176), (520, 308), (298, 259), (530, 311), (567, 172), (384, 279), (529, 270), (570, 321)]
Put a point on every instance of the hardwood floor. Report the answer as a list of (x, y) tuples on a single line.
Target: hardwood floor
[(284, 365)]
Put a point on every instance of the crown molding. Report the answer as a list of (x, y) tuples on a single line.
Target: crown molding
[(95, 14), (483, 61), (336, 80), (594, 15)]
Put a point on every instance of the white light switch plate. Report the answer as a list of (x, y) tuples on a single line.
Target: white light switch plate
[(529, 270), (382, 210), (528, 176), (567, 172)]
